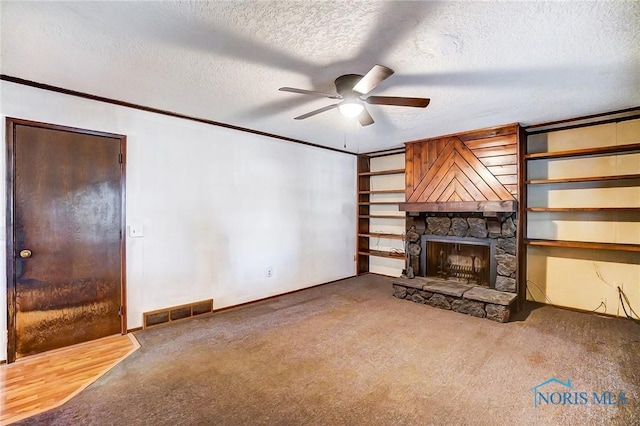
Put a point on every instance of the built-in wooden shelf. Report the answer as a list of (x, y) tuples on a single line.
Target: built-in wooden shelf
[(374, 203), (583, 179), (584, 244), (367, 198), (382, 172), (382, 216), (383, 191), (385, 153), (602, 150), (583, 209), (380, 253), (613, 212), (381, 235)]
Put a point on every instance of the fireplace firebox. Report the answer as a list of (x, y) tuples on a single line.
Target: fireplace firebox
[(465, 259)]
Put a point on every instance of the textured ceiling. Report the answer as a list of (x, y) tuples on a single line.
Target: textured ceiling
[(481, 63)]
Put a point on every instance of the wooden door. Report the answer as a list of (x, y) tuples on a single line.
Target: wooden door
[(65, 256)]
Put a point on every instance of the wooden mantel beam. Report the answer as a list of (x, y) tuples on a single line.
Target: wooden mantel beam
[(460, 206)]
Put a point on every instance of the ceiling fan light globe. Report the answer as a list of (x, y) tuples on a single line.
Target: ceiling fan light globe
[(350, 109)]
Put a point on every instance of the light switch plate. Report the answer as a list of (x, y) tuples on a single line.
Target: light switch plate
[(136, 231)]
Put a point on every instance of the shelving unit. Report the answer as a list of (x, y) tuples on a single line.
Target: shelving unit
[(580, 186), (573, 182), (583, 179), (603, 150), (584, 244), (381, 253), (380, 203), (584, 209), (382, 235), (380, 216), (371, 195), (381, 172), (386, 191)]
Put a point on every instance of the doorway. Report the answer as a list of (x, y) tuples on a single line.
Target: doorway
[(65, 236)]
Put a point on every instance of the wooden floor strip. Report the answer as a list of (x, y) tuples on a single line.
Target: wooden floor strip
[(40, 382)]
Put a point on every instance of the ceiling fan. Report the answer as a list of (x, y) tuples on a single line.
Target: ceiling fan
[(351, 89)]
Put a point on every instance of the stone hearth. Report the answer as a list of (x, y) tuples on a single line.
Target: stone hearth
[(471, 300)]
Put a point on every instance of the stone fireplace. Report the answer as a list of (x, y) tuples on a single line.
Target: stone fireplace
[(465, 247), (464, 262), (461, 197)]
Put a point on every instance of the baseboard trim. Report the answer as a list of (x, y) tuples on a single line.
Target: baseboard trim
[(226, 308), (380, 275), (582, 311), (240, 305)]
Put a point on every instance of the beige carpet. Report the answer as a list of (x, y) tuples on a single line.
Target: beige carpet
[(348, 353)]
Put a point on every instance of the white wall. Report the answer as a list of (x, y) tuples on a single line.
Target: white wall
[(584, 279), (218, 206)]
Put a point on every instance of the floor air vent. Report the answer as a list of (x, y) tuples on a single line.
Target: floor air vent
[(174, 313)]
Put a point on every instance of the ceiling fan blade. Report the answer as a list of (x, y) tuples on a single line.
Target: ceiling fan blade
[(365, 118), (370, 81), (398, 101), (309, 92), (317, 111)]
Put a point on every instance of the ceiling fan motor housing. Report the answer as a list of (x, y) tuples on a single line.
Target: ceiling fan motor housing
[(344, 85)]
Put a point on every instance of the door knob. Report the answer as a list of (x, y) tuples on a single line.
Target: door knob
[(25, 253)]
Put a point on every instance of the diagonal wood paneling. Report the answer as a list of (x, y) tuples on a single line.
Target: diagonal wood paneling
[(478, 192), (449, 175), (450, 190), (448, 169), (456, 191), (421, 184), (462, 192), (408, 167), (486, 177)]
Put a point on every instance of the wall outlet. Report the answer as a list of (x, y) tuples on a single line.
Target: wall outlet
[(269, 272), (136, 231)]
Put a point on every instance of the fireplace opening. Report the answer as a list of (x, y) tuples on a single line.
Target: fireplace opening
[(469, 260)]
